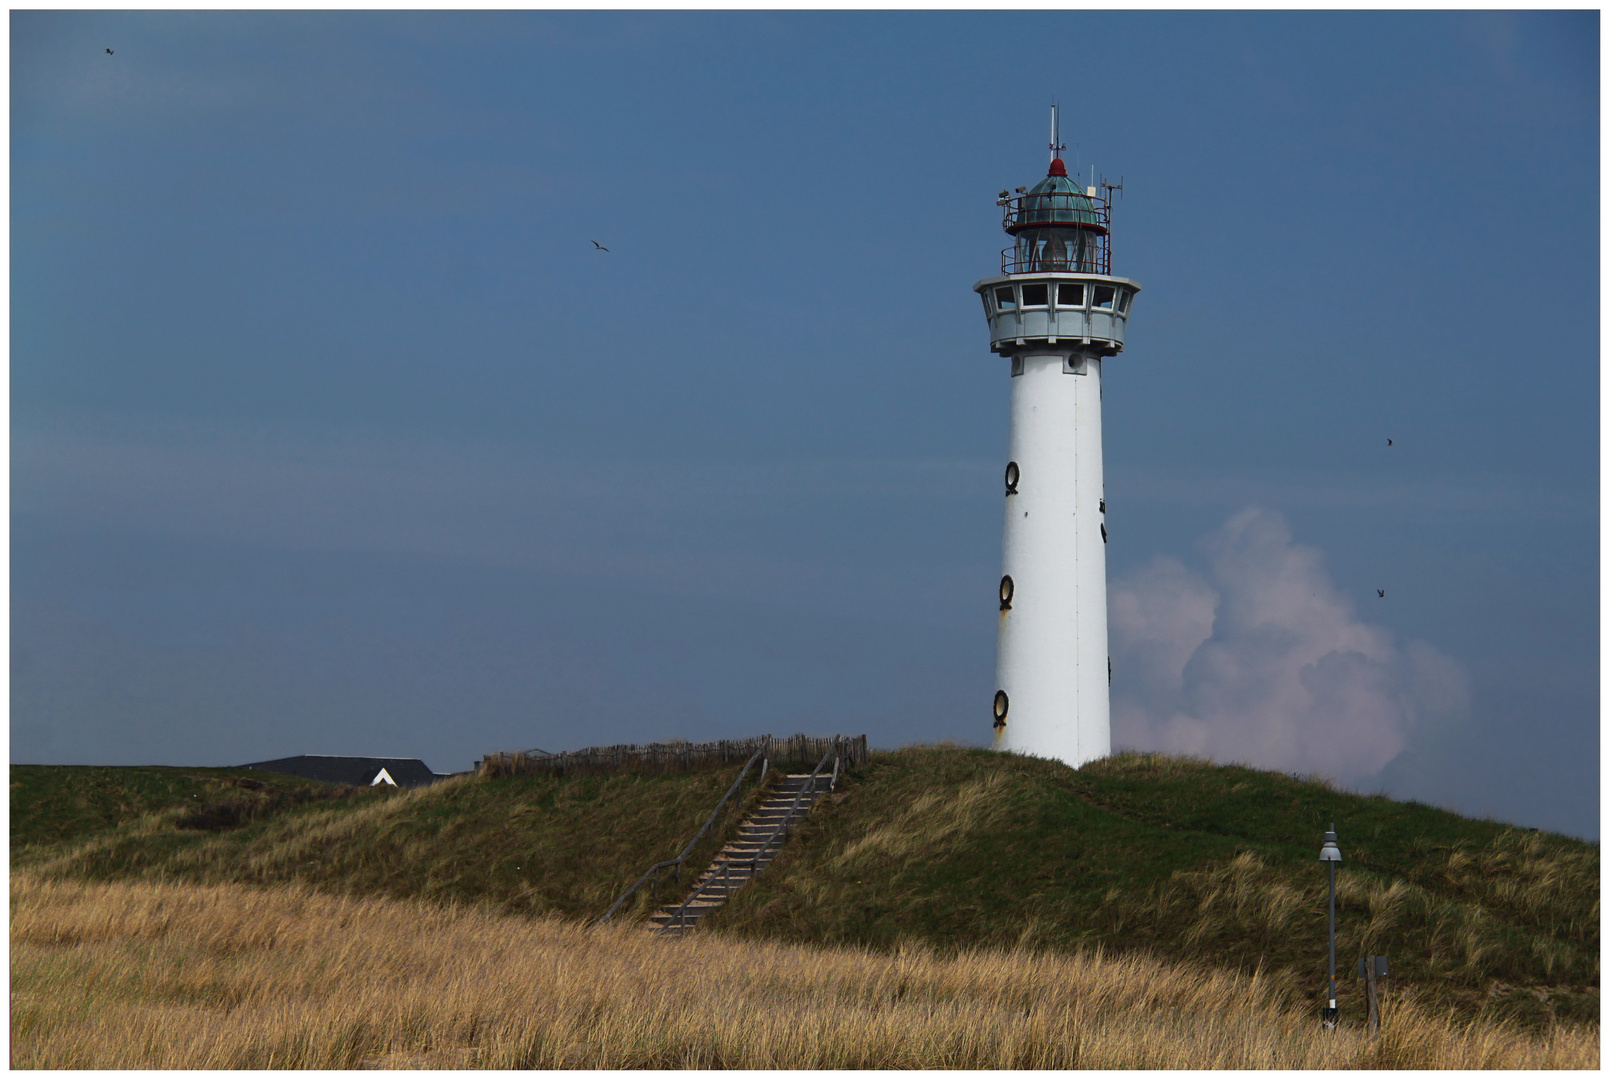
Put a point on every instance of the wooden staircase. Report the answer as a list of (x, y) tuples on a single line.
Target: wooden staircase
[(758, 841)]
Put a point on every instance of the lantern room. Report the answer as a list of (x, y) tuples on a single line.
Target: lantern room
[(1058, 227)]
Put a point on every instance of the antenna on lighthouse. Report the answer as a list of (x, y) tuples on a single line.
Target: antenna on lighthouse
[(1057, 145)]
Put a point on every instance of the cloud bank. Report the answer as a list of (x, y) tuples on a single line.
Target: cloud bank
[(1263, 661)]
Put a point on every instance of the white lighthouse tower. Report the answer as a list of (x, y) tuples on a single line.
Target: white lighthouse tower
[(1057, 312)]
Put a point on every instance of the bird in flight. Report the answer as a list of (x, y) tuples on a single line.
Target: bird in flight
[(1381, 593), (108, 52), (599, 246), (1389, 442)]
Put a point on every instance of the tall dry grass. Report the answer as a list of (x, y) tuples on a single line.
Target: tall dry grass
[(154, 975)]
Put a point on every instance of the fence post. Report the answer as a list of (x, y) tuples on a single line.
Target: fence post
[(1374, 1021)]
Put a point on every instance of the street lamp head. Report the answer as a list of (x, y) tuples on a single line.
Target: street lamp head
[(1330, 852)]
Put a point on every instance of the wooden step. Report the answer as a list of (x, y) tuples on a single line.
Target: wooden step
[(695, 909)]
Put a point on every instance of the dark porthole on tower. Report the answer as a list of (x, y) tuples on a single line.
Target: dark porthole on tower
[(1006, 592), (1001, 705)]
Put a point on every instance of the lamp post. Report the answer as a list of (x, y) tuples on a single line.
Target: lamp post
[(1330, 855)]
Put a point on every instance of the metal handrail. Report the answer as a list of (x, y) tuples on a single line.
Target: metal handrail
[(1100, 262), (677, 862), (680, 920)]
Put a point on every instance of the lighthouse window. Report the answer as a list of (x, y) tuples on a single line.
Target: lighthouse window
[(1004, 300), (1070, 295), (1103, 297), (1034, 295), (1123, 301), (987, 311)]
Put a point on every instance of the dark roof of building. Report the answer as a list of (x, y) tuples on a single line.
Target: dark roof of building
[(405, 772)]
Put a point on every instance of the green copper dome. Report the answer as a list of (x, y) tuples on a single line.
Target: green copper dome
[(1056, 200)]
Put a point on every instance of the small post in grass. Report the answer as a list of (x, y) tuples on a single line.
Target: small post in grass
[(1330, 855), (1371, 968)]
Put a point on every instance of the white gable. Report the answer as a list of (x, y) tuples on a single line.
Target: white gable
[(382, 777)]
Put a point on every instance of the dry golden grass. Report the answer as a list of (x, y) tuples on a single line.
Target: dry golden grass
[(155, 975)]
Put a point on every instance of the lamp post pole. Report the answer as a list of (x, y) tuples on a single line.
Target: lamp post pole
[(1330, 855), (1331, 870)]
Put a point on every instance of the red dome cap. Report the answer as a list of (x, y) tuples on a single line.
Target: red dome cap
[(1057, 168)]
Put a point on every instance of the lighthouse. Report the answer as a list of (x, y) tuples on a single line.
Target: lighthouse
[(1056, 313)]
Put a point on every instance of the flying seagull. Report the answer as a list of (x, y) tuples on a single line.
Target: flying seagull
[(108, 52), (1381, 593), (1389, 442), (599, 246)]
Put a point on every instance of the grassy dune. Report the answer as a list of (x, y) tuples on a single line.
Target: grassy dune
[(1213, 865), (1209, 867), (153, 975), (57, 805), (523, 844)]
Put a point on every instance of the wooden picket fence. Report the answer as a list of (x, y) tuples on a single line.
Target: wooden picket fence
[(804, 750)]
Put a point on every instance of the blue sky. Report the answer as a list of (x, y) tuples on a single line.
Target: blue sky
[(332, 432)]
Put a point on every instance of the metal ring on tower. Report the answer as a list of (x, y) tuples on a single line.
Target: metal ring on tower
[(1013, 474), (1001, 705), (1006, 592)]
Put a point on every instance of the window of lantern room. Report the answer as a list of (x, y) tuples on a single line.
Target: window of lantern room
[(1071, 294), (1103, 296), (1035, 295), (1004, 301)]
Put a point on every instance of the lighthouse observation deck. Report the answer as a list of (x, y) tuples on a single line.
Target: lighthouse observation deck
[(1083, 312)]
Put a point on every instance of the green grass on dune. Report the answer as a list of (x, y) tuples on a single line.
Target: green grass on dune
[(55, 805), (1211, 864), (527, 844)]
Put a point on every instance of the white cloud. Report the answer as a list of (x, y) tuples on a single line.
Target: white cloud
[(1264, 661)]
